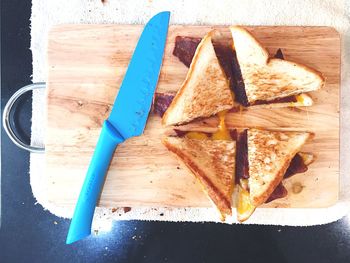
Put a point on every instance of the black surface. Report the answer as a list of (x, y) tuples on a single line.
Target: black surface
[(28, 234)]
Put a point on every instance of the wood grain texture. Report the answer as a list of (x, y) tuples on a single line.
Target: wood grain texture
[(86, 66)]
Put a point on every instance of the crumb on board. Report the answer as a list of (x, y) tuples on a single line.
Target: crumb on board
[(126, 209)]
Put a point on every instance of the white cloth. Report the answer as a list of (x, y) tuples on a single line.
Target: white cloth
[(254, 12)]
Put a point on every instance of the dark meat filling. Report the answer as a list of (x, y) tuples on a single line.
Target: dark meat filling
[(233, 134), (238, 83), (278, 100), (161, 103), (225, 55), (296, 166), (279, 192), (185, 47), (279, 54), (180, 133), (242, 165)]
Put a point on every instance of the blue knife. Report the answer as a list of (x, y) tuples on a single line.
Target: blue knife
[(127, 119)]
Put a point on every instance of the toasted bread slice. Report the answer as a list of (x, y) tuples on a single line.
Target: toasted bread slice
[(212, 162), (265, 78), (205, 91), (269, 156)]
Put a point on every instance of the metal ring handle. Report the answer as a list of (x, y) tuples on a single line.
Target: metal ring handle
[(6, 117)]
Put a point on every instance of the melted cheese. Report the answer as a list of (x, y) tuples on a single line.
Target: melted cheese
[(302, 100), (222, 133), (244, 206), (197, 135)]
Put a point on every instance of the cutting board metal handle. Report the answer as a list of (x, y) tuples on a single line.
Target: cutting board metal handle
[(80, 226), (6, 117)]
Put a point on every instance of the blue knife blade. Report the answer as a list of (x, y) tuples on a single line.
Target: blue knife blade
[(127, 119), (140, 79)]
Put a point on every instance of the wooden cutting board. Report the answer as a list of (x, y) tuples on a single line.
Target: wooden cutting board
[(86, 64)]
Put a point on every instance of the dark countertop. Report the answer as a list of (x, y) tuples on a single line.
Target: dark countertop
[(30, 234)]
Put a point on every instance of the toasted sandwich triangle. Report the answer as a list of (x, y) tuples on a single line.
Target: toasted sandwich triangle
[(204, 92), (267, 79), (269, 156), (212, 162)]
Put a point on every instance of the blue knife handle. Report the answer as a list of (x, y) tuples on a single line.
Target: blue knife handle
[(80, 226)]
